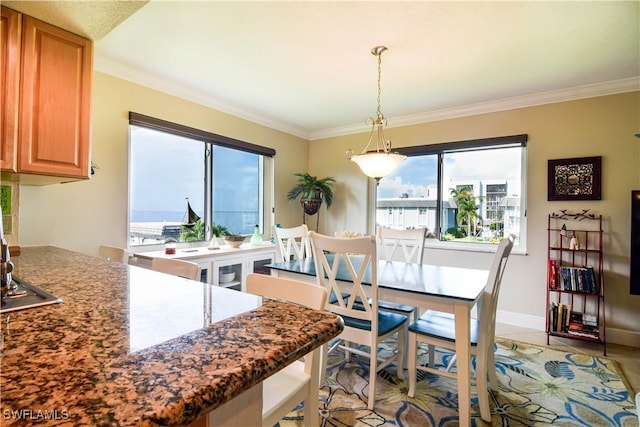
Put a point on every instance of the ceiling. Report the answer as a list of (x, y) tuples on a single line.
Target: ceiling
[(305, 67)]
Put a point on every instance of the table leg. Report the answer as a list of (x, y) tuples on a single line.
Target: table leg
[(462, 317)]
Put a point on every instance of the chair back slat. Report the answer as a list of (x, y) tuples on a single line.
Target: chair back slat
[(348, 261), (283, 289), (292, 243), (177, 267), (403, 245)]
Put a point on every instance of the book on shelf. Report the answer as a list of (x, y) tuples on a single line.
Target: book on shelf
[(584, 331), (578, 279)]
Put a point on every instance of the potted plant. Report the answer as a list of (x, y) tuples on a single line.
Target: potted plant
[(312, 192)]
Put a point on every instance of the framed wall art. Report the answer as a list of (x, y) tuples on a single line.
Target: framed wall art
[(575, 179)]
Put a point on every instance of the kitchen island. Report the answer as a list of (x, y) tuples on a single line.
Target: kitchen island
[(130, 346)]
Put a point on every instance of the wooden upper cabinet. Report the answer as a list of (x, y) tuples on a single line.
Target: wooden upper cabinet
[(10, 28), (55, 99)]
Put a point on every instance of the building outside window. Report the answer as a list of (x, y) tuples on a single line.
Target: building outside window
[(468, 192)]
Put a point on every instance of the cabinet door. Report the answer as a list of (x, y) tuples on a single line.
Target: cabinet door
[(229, 273), (55, 101), (257, 262), (10, 30)]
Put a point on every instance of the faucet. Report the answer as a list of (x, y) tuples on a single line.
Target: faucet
[(6, 266)]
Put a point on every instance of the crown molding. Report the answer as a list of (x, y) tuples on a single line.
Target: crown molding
[(542, 98), (124, 72)]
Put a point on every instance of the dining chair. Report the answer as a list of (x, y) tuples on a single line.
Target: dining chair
[(437, 329), (113, 253), (401, 245), (350, 262), (292, 243), (177, 267), (298, 382)]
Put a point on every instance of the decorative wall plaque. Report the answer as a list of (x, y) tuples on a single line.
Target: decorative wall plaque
[(575, 179)]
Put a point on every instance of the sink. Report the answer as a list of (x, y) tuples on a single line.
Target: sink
[(23, 295)]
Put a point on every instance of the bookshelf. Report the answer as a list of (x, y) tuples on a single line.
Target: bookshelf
[(575, 277)]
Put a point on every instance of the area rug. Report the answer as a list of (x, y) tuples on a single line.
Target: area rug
[(537, 386)]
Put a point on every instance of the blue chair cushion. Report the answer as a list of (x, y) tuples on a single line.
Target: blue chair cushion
[(400, 308), (442, 325), (386, 322)]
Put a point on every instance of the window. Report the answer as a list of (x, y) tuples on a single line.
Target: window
[(467, 192), (174, 169)]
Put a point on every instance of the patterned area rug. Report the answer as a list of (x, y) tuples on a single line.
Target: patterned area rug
[(537, 386)]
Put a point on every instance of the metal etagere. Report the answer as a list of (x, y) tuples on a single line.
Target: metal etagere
[(575, 277)]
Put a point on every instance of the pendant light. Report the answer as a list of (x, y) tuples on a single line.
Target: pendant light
[(381, 162)]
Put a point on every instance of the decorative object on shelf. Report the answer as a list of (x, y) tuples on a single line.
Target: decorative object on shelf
[(381, 162), (234, 240), (256, 237), (170, 246), (575, 277), (312, 192), (575, 179), (574, 244)]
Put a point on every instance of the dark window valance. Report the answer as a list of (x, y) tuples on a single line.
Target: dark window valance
[(138, 119), (474, 144)]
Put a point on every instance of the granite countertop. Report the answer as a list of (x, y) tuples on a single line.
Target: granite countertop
[(130, 346)]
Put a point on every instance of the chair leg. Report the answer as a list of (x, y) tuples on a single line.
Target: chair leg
[(373, 374), (324, 356), (402, 351), (311, 414), (452, 362), (481, 384), (491, 369), (412, 370), (347, 353), (432, 355)]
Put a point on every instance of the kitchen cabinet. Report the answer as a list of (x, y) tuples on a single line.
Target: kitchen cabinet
[(10, 33), (54, 96)]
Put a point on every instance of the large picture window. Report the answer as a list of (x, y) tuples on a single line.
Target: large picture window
[(467, 192), (183, 182)]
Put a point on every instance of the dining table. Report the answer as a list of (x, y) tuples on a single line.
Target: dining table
[(429, 287)]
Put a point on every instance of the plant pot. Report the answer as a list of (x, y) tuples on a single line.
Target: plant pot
[(311, 206)]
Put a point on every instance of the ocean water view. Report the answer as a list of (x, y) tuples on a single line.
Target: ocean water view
[(237, 222)]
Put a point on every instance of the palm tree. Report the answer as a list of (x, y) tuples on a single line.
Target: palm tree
[(467, 207)]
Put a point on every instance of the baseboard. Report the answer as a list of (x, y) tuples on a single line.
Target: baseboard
[(537, 323)]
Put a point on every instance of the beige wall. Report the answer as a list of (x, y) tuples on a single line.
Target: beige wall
[(82, 215), (603, 126)]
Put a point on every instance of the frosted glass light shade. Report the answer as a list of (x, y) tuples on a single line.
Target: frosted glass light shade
[(378, 164)]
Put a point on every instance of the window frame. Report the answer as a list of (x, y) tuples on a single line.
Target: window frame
[(439, 150), (266, 170)]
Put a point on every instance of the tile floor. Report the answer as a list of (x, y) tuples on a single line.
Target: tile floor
[(627, 357)]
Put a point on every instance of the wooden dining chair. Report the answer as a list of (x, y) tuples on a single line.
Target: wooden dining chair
[(113, 253), (298, 382), (177, 267), (350, 262), (292, 243), (437, 329), (401, 245)]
